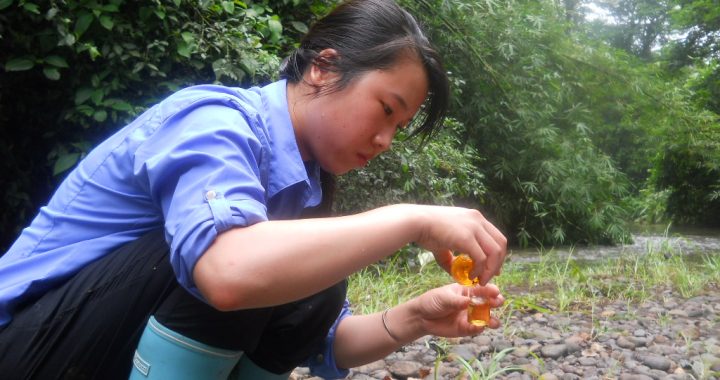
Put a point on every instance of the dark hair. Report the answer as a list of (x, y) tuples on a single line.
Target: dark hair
[(370, 35)]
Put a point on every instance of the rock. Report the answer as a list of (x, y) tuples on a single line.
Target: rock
[(554, 351), (695, 313), (653, 361), (570, 376), (715, 367), (587, 362), (499, 345), (482, 340), (370, 367), (542, 334), (625, 343), (521, 352), (639, 333), (635, 377), (403, 368), (678, 313), (547, 376), (607, 313), (465, 351), (662, 349)]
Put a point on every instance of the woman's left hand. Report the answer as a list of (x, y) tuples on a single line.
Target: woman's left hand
[(443, 310)]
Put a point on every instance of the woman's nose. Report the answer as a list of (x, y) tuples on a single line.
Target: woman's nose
[(383, 139)]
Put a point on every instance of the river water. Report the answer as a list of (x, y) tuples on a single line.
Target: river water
[(694, 242)]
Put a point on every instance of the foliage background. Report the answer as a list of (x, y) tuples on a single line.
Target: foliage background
[(563, 130)]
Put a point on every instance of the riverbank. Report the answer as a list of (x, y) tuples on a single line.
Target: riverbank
[(640, 316), (664, 337)]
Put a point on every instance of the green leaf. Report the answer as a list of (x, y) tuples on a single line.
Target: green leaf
[(184, 49), (100, 116), (83, 95), (120, 105), (85, 109), (110, 8), (97, 96), (20, 64), (65, 162), (57, 61), (177, 2), (83, 22), (275, 28), (299, 26), (228, 6), (32, 8), (5, 3), (51, 13), (188, 37), (51, 73), (107, 22), (68, 40), (160, 14)]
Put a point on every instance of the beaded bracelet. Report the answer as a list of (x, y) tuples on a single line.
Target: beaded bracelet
[(384, 322)]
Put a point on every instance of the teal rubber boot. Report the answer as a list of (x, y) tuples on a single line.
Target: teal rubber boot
[(164, 354), (247, 370)]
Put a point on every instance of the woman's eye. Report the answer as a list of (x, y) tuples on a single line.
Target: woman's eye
[(388, 110)]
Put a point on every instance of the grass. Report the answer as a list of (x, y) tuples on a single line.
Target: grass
[(552, 284), (477, 370)]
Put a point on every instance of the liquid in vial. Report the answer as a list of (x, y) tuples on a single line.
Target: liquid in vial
[(478, 311)]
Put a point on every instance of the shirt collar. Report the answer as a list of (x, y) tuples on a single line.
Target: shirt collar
[(286, 166)]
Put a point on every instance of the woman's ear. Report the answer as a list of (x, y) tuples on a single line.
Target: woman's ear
[(321, 73)]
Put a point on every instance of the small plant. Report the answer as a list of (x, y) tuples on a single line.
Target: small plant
[(493, 368), (440, 346), (664, 319)]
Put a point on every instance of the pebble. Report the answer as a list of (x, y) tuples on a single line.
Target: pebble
[(664, 338)]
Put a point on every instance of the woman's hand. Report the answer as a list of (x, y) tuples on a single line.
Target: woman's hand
[(454, 229), (443, 310)]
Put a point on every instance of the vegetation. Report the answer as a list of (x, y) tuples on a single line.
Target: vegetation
[(563, 129), (552, 283)]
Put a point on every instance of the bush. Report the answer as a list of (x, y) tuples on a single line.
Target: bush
[(442, 171)]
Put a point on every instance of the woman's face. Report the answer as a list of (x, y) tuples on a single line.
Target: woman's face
[(346, 129)]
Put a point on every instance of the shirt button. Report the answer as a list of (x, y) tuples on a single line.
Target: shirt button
[(320, 358), (210, 195)]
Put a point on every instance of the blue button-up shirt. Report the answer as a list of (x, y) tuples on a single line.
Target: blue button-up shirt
[(204, 160)]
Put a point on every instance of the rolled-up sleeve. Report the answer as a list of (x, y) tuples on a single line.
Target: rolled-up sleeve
[(204, 168)]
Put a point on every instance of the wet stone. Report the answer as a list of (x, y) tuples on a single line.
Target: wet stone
[(465, 351), (547, 376), (635, 376), (405, 368), (588, 362), (499, 345), (653, 361), (625, 343), (554, 351)]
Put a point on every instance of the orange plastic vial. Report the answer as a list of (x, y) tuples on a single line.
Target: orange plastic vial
[(479, 309)]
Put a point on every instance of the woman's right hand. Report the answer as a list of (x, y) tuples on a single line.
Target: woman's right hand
[(444, 230)]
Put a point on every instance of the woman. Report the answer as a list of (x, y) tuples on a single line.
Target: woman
[(182, 244)]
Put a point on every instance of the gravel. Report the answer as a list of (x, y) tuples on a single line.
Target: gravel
[(667, 337)]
